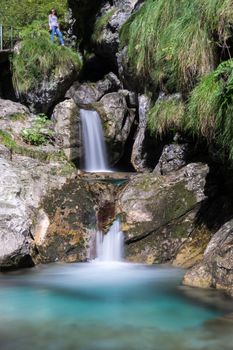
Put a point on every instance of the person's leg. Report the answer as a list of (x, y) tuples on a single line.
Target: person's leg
[(59, 34), (52, 34)]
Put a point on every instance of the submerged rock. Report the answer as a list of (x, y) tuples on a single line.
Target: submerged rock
[(216, 269), (158, 215)]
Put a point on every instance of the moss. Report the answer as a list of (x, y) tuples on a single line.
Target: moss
[(18, 117), (40, 154)]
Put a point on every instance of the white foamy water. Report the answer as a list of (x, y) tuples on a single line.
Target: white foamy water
[(95, 154), (110, 247)]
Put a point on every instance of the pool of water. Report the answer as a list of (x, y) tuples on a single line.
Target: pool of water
[(110, 306)]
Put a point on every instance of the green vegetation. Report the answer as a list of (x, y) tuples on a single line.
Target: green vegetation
[(40, 58), (33, 152), (22, 13), (210, 108), (166, 114), (100, 25), (40, 133), (174, 42)]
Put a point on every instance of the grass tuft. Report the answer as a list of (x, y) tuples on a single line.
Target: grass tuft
[(40, 59), (174, 42), (166, 115)]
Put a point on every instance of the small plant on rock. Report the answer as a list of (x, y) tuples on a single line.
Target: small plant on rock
[(40, 133)]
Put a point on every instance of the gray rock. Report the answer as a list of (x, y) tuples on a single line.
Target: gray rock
[(23, 184), (117, 120), (174, 157), (14, 117), (12, 110), (5, 153), (43, 97), (158, 215), (217, 263), (137, 156), (67, 128), (86, 93)]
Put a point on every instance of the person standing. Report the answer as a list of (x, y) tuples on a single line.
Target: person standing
[(54, 27)]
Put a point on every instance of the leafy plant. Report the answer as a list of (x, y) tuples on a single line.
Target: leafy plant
[(40, 133)]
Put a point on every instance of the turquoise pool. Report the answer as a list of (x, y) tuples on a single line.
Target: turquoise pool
[(110, 306)]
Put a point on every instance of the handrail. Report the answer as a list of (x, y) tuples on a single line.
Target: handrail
[(8, 37)]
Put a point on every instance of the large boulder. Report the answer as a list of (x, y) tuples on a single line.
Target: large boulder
[(86, 93), (65, 224), (24, 182), (15, 221), (174, 157), (50, 90), (117, 120), (216, 269), (67, 129), (159, 216)]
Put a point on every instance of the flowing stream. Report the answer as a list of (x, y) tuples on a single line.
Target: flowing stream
[(95, 154)]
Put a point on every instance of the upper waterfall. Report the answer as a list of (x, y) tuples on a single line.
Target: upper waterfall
[(95, 154)]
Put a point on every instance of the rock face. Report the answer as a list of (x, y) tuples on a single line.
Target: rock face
[(158, 215), (137, 156), (67, 129), (86, 93), (24, 182), (216, 269), (15, 221), (64, 229), (174, 157), (117, 120), (114, 14), (42, 98)]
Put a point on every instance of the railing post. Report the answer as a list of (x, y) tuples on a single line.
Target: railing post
[(1, 37), (11, 36)]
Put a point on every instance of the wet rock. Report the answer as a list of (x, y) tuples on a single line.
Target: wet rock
[(86, 93), (67, 129), (117, 120), (138, 156), (66, 224), (174, 157), (216, 269), (158, 214)]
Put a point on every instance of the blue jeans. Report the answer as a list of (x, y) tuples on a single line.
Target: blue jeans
[(54, 31)]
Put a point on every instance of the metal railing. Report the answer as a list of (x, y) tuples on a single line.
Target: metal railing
[(8, 37)]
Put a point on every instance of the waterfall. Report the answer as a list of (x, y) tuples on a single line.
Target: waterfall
[(95, 155), (109, 247)]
